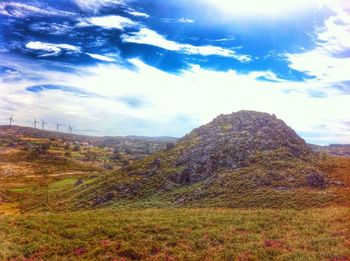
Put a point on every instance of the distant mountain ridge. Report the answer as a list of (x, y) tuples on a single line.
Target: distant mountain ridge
[(332, 149), (29, 131), (146, 145)]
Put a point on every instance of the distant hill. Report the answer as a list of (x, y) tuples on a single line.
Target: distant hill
[(130, 144), (333, 149), (244, 159)]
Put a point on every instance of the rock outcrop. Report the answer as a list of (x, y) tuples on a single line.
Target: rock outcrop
[(232, 141)]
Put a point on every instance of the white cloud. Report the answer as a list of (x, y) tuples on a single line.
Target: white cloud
[(326, 62), (95, 5), (196, 94), (335, 36), (322, 65), (100, 57), (51, 49), (185, 20), (139, 14), (22, 10), (111, 21), (150, 37)]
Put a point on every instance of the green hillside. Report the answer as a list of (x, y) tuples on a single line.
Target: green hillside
[(246, 159)]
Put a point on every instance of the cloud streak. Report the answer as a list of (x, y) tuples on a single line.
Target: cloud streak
[(109, 22), (15, 9), (49, 49), (150, 37), (139, 14)]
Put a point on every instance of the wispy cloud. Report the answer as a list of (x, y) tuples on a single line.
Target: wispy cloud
[(100, 57), (15, 9), (343, 87), (9, 74), (95, 5), (150, 37), (109, 22), (185, 20), (56, 87), (133, 101), (49, 49), (139, 14), (50, 28)]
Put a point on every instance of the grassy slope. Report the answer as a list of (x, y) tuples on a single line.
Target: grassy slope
[(179, 234)]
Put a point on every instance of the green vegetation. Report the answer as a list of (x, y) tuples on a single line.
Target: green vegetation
[(260, 185), (178, 234)]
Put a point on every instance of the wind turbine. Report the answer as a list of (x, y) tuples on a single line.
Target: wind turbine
[(11, 120), (43, 123), (70, 129), (35, 122), (58, 126)]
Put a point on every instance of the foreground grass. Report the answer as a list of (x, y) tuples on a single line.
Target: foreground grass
[(178, 234)]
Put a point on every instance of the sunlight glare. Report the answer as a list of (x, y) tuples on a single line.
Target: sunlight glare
[(265, 7)]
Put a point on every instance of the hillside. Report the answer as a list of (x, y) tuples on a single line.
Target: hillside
[(244, 159)]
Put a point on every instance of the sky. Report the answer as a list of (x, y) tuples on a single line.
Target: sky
[(162, 68)]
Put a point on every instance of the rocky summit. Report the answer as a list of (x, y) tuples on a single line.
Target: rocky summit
[(232, 141)]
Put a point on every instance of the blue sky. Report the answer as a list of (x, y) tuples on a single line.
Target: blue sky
[(162, 68)]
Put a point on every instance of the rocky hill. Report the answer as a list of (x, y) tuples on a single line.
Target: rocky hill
[(232, 141), (242, 159)]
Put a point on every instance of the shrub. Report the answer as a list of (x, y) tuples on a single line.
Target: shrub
[(76, 147)]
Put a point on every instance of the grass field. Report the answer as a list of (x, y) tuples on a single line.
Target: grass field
[(37, 223), (178, 234)]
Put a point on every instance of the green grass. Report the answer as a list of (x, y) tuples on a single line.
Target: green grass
[(66, 183), (178, 234), (19, 190)]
